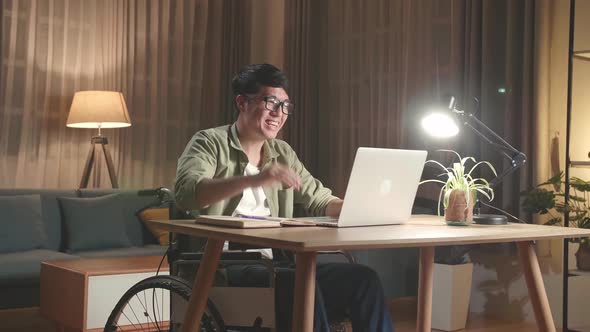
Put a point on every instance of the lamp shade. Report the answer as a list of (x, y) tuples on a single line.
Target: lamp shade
[(98, 109)]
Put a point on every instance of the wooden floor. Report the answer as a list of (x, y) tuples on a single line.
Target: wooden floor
[(403, 313), (25, 320), (478, 325)]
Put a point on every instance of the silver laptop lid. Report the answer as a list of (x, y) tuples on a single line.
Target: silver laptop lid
[(382, 187)]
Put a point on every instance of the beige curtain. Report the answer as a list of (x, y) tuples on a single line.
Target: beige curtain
[(165, 56)]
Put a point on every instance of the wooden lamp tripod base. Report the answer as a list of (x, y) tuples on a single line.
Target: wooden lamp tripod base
[(98, 144)]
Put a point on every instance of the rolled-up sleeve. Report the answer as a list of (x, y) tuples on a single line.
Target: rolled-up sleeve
[(197, 162), (313, 195)]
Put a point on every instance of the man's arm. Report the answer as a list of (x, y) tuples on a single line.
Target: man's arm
[(214, 190), (210, 191)]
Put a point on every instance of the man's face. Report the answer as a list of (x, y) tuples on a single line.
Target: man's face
[(259, 121)]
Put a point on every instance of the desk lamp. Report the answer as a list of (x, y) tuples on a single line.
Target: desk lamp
[(98, 109), (442, 125)]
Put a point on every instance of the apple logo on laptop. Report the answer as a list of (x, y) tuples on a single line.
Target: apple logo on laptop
[(385, 187)]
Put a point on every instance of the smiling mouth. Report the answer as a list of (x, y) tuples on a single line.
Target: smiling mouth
[(273, 124)]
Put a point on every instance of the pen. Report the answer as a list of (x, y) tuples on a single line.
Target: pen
[(239, 215)]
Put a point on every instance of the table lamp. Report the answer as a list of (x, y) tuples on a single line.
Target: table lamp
[(441, 125), (98, 109)]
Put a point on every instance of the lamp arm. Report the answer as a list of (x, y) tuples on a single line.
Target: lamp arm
[(504, 150), (516, 158), (516, 162), (468, 118)]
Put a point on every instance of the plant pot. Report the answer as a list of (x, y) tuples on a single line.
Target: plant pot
[(450, 296), (458, 210), (583, 257)]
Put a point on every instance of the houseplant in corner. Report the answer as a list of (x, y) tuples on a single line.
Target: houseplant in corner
[(547, 198), (459, 191), (452, 269)]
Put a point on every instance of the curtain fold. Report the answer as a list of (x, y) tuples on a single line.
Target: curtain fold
[(498, 68), (46, 52), (235, 50), (301, 48), (165, 56)]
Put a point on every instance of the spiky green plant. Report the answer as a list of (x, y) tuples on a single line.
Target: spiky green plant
[(458, 177)]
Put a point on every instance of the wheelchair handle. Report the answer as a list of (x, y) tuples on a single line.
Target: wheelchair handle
[(163, 194)]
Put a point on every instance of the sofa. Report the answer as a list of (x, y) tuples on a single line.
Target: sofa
[(53, 224)]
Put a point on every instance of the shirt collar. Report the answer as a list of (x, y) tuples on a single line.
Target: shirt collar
[(269, 152), (234, 140)]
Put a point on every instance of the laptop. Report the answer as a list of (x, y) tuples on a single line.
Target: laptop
[(381, 188)]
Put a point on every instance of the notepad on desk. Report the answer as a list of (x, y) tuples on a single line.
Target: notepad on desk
[(251, 222)]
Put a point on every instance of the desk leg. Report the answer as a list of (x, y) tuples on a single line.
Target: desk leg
[(424, 320), (202, 285), (534, 283), (303, 303)]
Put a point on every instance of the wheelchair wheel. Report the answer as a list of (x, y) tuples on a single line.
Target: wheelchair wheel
[(157, 304)]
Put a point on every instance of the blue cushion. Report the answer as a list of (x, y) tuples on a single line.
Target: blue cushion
[(50, 208), (21, 226), (138, 234), (94, 223)]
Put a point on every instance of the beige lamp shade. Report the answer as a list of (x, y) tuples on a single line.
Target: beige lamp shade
[(98, 109)]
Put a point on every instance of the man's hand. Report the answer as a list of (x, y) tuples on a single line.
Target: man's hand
[(278, 174), (214, 190), (334, 207)]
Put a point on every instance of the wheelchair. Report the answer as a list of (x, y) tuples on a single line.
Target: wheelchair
[(158, 303)]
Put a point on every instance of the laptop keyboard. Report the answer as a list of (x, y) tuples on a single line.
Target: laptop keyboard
[(328, 221)]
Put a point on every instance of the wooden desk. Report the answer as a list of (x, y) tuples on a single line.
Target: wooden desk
[(425, 232)]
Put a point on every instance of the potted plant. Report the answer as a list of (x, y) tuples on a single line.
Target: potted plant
[(547, 198), (459, 191)]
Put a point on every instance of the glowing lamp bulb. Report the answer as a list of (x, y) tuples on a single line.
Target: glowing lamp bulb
[(440, 125)]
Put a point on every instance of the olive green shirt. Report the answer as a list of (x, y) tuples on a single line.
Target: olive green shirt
[(217, 153)]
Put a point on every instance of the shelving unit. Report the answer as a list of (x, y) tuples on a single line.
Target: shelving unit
[(579, 163), (580, 55)]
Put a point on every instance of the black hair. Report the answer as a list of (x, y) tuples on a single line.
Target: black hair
[(251, 78)]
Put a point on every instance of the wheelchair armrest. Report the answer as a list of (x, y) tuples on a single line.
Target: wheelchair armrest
[(241, 246), (346, 254), (230, 258), (241, 255), (252, 256), (233, 256)]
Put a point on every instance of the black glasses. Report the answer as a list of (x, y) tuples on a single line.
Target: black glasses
[(272, 104)]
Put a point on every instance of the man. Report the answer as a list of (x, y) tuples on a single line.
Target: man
[(243, 169)]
